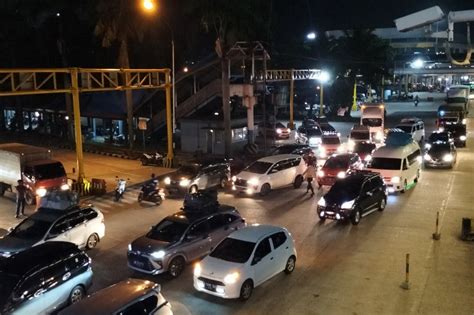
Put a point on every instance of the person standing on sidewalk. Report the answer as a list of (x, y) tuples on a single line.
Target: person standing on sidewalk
[(20, 198), (309, 174)]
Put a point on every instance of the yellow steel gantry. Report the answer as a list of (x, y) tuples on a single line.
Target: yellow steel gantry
[(17, 82)]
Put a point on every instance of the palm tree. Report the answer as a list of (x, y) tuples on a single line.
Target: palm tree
[(119, 23)]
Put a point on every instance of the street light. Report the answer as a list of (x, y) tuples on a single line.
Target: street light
[(311, 35), (149, 6), (322, 78)]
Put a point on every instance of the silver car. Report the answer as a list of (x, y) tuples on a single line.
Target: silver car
[(181, 238), (43, 279)]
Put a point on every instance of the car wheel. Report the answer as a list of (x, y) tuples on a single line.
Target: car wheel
[(193, 189), (92, 241), (77, 294), (290, 265), (405, 184), (382, 204), (246, 290), (176, 267), (158, 201), (223, 182), (355, 218), (417, 176), (265, 190), (298, 181)]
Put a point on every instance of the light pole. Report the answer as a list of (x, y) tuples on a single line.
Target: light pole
[(323, 78)]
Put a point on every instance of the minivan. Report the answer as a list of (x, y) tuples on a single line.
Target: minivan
[(413, 126)]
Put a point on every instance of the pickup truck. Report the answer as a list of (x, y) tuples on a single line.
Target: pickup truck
[(34, 166)]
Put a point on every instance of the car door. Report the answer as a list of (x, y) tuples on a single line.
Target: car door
[(28, 295), (378, 189), (77, 228), (218, 229), (275, 175), (59, 231), (142, 305), (197, 240), (365, 197), (263, 261), (281, 250)]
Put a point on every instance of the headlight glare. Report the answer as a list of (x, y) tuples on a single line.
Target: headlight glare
[(427, 157), (322, 202), (341, 174), (158, 255), (234, 178), (167, 181), (231, 278), (184, 182), (253, 181), (395, 179), (448, 158), (64, 187), (197, 269), (462, 138), (347, 204), (368, 158), (41, 192)]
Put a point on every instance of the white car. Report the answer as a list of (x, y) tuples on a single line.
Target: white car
[(82, 226), (244, 260), (269, 173), (413, 126)]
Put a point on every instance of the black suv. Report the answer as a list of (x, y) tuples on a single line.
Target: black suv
[(44, 278), (198, 176), (353, 197)]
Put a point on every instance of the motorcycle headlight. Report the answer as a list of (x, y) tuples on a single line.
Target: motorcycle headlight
[(253, 181), (41, 192), (448, 158), (64, 187), (322, 202), (395, 179), (184, 182), (347, 204), (462, 138), (427, 157), (368, 158), (341, 174), (158, 255), (167, 181), (197, 269), (231, 278)]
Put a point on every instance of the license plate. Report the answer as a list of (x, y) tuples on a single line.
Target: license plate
[(138, 264), (209, 286)]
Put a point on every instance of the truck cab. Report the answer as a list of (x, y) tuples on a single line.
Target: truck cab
[(43, 174), (373, 117)]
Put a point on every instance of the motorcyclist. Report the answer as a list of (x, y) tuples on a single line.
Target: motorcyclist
[(416, 100), (151, 185)]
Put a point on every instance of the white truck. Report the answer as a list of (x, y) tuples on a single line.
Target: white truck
[(373, 117), (458, 95), (34, 166)]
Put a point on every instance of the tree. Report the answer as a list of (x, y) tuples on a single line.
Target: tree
[(119, 22)]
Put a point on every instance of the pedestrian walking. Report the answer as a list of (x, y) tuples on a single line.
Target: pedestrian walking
[(20, 198), (310, 174)]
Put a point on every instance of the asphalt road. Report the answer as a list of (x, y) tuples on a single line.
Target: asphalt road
[(341, 269)]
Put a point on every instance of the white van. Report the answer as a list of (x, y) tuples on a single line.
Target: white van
[(373, 116), (413, 126), (400, 166)]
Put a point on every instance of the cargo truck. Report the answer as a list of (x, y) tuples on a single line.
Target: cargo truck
[(373, 117), (34, 166), (458, 95)]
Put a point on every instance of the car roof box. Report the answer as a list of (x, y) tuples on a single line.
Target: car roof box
[(59, 200), (398, 139), (201, 201)]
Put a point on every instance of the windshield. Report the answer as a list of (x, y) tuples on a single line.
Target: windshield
[(372, 122), (7, 284), (452, 100), (406, 129), (188, 170), (363, 147), (331, 140), (386, 163), (31, 229), (236, 251), (315, 131), (360, 135), (258, 167), (49, 171), (168, 231), (439, 148), (345, 190), (337, 163), (438, 137)]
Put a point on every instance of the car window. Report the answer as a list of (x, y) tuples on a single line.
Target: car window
[(89, 214), (28, 286), (53, 275), (61, 226), (278, 239), (369, 185), (263, 249), (145, 306), (73, 263), (199, 229), (275, 168), (295, 162), (75, 219), (285, 165), (378, 182), (216, 222)]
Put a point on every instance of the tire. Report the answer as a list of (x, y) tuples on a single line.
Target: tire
[(355, 218), (298, 181), (265, 189), (2, 190), (223, 183), (246, 290), (176, 267), (30, 199), (193, 189), (382, 204), (77, 294), (290, 265), (92, 241), (405, 184), (158, 200), (417, 176), (140, 196)]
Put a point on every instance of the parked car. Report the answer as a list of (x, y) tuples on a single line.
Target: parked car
[(413, 126), (353, 197), (244, 260), (132, 296), (299, 149), (440, 154), (269, 173), (330, 144), (196, 176), (459, 133), (43, 279), (338, 166), (364, 150), (181, 238), (83, 226), (271, 129), (439, 136)]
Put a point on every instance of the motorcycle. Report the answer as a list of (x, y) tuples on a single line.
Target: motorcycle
[(152, 159), (120, 189), (151, 194)]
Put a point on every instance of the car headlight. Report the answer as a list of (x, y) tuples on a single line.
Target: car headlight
[(158, 255), (253, 181), (442, 112), (462, 138), (197, 269), (322, 202), (427, 157), (41, 192), (234, 178), (320, 173), (6, 254), (129, 247), (278, 131), (64, 187), (341, 174), (463, 121), (347, 204), (184, 182), (368, 158), (448, 158), (231, 278), (427, 146), (167, 181), (395, 179)]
